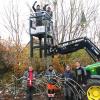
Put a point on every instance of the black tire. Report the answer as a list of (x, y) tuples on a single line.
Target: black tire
[(91, 82)]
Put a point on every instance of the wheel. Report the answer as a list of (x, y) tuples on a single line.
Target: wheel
[(93, 89)]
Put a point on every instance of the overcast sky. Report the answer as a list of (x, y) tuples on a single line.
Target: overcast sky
[(25, 14)]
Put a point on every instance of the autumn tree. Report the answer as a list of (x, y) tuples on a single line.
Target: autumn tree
[(15, 27)]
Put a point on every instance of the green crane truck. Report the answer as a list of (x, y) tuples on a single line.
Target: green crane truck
[(93, 82)]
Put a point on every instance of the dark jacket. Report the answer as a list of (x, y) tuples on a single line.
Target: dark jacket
[(68, 74), (80, 75), (50, 73), (38, 15)]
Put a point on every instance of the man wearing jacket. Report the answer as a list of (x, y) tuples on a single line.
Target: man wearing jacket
[(28, 82), (38, 14), (68, 94), (80, 73), (50, 72)]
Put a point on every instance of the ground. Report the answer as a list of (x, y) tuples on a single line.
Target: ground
[(6, 97)]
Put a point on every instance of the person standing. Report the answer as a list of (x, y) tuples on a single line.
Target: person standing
[(68, 93), (28, 82), (48, 10), (80, 74), (37, 9), (38, 14), (50, 13), (51, 76)]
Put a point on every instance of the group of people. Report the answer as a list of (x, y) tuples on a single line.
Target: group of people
[(38, 11), (45, 8), (79, 75)]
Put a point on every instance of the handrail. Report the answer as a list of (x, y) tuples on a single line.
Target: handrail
[(43, 13)]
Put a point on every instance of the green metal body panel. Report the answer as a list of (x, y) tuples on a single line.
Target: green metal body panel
[(94, 69)]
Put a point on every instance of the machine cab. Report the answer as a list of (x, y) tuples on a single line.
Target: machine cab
[(41, 22)]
